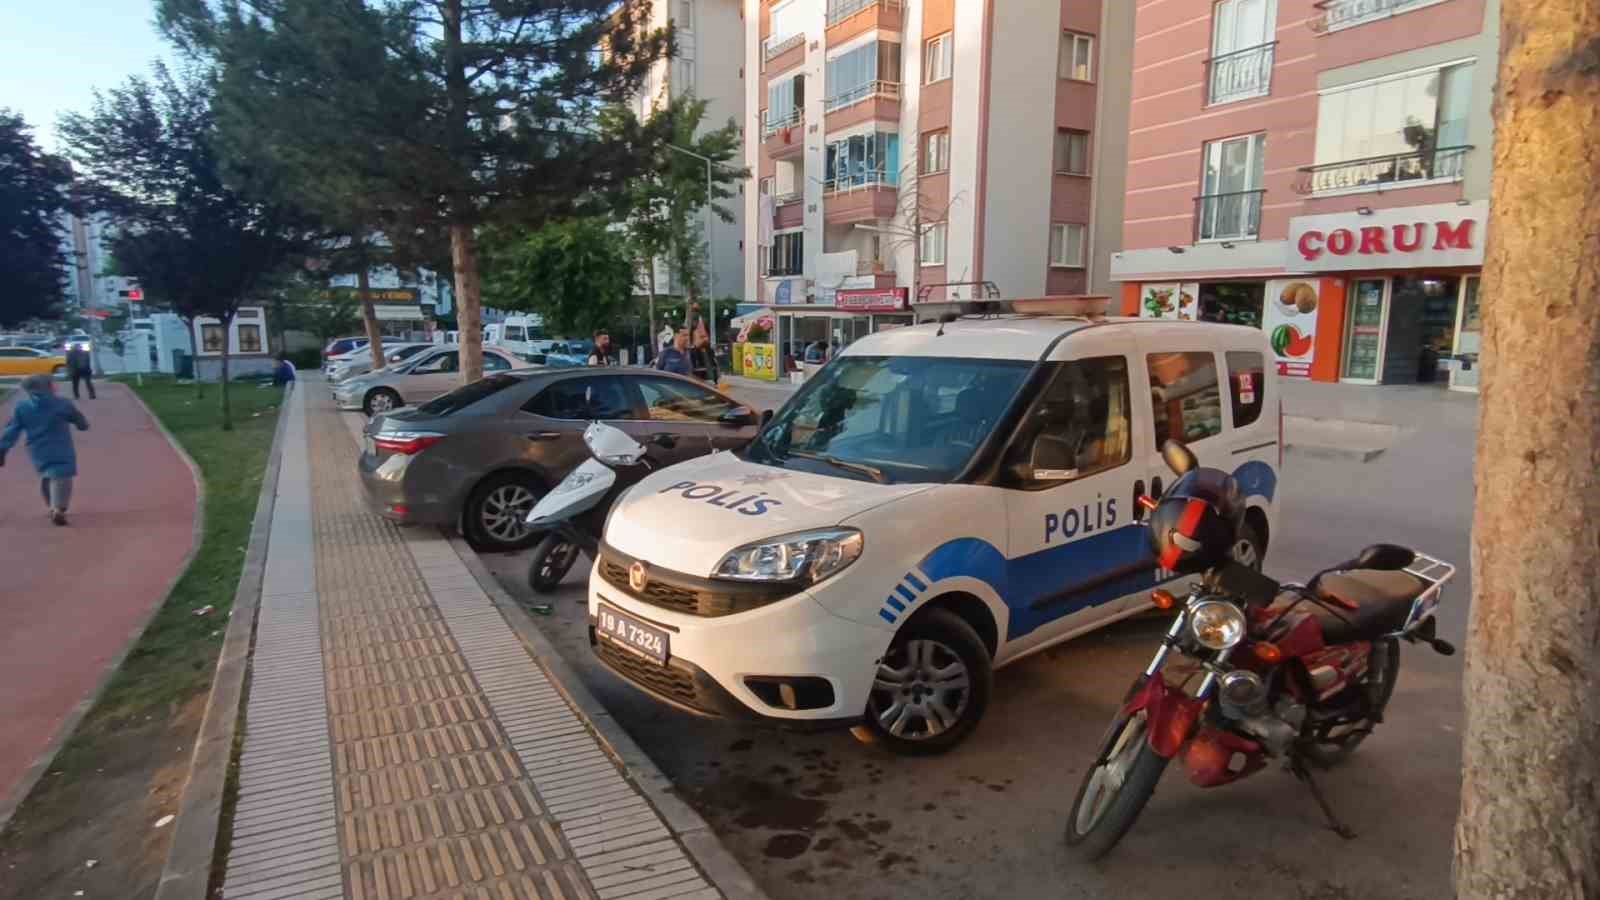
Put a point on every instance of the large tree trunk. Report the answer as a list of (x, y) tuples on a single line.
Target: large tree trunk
[(194, 358), (369, 316), (469, 301), (227, 410), (1529, 825)]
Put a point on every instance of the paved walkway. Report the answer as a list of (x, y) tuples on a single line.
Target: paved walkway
[(399, 739), (71, 598)]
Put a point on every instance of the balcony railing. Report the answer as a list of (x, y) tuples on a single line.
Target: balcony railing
[(839, 10), (888, 89), (771, 48), (1240, 75), (1337, 14), (873, 267), (1379, 172), (860, 182), (1227, 217), (773, 125)]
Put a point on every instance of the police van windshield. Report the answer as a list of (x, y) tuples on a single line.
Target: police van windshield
[(891, 419)]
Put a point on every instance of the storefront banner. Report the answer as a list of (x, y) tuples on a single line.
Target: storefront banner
[(760, 361), (869, 301), (786, 292), (1289, 317), (1409, 237), (1170, 301)]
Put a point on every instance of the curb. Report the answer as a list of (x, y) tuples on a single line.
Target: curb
[(187, 872), (10, 804), (720, 867)]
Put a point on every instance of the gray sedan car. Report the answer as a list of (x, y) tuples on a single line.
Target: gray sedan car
[(481, 456), (416, 380)]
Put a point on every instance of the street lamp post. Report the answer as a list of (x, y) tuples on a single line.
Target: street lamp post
[(711, 272)]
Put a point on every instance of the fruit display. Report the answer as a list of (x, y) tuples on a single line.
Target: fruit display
[(1299, 297)]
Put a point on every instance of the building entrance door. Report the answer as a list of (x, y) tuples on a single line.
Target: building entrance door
[(1469, 338)]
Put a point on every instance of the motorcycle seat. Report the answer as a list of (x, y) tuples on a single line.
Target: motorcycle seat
[(1382, 600)]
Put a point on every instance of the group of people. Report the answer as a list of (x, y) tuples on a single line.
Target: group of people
[(688, 352)]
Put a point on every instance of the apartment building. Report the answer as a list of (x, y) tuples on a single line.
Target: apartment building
[(911, 153), (1317, 169), (707, 66)]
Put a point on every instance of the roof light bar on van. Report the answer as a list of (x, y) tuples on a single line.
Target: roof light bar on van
[(1090, 305)]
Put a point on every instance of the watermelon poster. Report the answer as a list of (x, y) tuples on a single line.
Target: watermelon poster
[(1290, 321)]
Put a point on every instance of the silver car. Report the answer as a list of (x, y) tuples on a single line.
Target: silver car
[(421, 378), (361, 363)]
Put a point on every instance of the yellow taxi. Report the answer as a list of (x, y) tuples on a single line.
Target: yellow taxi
[(19, 361)]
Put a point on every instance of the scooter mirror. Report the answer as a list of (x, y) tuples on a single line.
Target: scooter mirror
[(611, 445), (1179, 459), (1389, 557)]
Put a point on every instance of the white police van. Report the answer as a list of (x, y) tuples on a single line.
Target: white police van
[(939, 501)]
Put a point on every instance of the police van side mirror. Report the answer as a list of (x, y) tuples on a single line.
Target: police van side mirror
[(1052, 459)]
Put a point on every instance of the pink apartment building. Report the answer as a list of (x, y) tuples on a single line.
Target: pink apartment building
[(1317, 169)]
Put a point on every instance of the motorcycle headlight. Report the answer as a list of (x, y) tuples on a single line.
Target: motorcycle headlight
[(807, 557), (1216, 624)]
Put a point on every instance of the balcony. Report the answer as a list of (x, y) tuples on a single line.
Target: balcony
[(848, 18), (1337, 15), (875, 101), (1240, 75), (789, 211), (1377, 173), (862, 199), (772, 49), (784, 136), (1233, 216)]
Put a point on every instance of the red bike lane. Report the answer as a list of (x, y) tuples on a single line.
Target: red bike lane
[(71, 598)]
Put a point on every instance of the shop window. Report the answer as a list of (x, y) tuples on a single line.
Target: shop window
[(249, 338), (1232, 303), (1083, 417), (1246, 383), (1185, 396)]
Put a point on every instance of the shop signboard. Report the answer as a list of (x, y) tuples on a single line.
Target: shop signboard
[(786, 292), (760, 361), (1289, 318), (1438, 235), (871, 300), (1169, 301)]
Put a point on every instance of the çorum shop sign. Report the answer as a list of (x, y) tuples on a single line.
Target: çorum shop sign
[(1436, 236)]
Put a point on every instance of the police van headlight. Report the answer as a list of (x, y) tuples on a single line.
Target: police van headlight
[(807, 557)]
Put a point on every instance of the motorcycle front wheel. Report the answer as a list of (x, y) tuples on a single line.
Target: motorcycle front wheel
[(551, 561), (1114, 790)]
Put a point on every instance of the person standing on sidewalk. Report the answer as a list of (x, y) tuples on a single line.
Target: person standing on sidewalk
[(44, 418), (703, 359), (604, 354), (80, 367), (676, 357)]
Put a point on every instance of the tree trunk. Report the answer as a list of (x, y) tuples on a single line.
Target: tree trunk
[(650, 269), (369, 315), (469, 300), (1529, 823), (227, 410), (194, 359)]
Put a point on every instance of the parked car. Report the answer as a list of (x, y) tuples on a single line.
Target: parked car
[(936, 502), (482, 455), (417, 380), (518, 334), (360, 363), (31, 361), (341, 346)]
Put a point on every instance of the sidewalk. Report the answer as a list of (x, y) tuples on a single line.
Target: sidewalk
[(401, 741), (76, 597)]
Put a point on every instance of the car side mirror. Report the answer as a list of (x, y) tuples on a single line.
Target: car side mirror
[(1388, 557), (766, 416), (739, 417), (1052, 459), (1180, 459)]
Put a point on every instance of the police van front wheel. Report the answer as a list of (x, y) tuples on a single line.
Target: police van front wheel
[(932, 685)]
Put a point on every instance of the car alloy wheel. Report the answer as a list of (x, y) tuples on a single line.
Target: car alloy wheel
[(381, 402), (504, 510), (921, 690)]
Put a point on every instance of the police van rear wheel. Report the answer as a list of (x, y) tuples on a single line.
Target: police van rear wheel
[(932, 685)]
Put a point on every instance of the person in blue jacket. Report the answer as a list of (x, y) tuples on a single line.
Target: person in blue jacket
[(44, 418), (676, 357)]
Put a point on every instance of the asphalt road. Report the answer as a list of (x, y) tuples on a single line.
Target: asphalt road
[(824, 815)]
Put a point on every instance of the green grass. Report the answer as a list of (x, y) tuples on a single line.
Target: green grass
[(173, 662)]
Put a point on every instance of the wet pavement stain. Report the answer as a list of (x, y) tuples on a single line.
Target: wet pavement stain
[(891, 859), (787, 846), (756, 804), (741, 746)]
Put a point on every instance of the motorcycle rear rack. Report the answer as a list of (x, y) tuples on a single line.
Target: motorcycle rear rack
[(1435, 572)]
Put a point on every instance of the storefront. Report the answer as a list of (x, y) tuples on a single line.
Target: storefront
[(803, 324), (1387, 296)]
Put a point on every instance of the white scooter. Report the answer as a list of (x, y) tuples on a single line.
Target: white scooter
[(574, 513)]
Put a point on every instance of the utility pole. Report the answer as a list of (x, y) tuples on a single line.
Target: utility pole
[(711, 272)]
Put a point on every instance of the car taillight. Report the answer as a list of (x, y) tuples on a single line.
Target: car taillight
[(406, 442)]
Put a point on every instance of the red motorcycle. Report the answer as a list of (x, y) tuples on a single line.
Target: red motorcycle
[(1300, 673)]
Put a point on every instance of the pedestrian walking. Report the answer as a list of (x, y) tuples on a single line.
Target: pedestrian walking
[(283, 372), (43, 418), (703, 360), (80, 367), (676, 357), (604, 354)]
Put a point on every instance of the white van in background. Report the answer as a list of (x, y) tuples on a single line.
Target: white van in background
[(520, 334)]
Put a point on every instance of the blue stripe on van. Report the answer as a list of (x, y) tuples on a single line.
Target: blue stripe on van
[(901, 590)]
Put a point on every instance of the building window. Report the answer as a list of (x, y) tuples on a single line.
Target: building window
[(865, 71), (1077, 56), (786, 100), (1230, 190), (685, 14), (1066, 245), (937, 61), (249, 338), (212, 337), (861, 160), (935, 152), (766, 185), (933, 244), (1240, 66), (788, 251), (1072, 152), (1410, 127)]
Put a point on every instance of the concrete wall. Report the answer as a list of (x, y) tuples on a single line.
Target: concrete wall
[(719, 79), (1018, 166), (1108, 153)]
